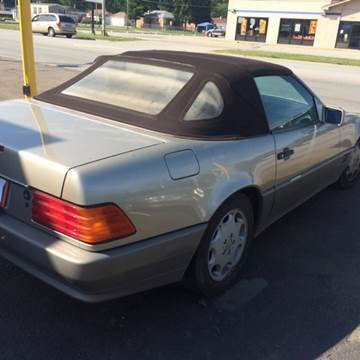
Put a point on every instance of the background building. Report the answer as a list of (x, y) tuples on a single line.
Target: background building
[(319, 23), (119, 19), (156, 19), (42, 8)]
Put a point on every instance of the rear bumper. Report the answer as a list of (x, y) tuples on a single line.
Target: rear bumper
[(98, 276), (65, 32)]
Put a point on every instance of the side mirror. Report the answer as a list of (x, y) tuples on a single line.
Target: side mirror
[(334, 116)]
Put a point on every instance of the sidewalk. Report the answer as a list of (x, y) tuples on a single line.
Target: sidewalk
[(297, 49), (11, 78)]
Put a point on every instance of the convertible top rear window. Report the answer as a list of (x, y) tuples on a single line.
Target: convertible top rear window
[(140, 87)]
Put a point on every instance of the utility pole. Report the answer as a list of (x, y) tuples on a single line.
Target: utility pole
[(103, 18), (27, 49), (127, 15), (92, 19)]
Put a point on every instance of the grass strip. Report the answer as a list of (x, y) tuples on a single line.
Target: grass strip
[(85, 36), (9, 25), (131, 29), (290, 56)]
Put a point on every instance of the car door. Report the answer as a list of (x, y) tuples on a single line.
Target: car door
[(41, 23), (303, 143), (51, 22), (328, 154), (35, 24)]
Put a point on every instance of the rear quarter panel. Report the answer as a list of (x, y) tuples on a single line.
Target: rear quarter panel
[(140, 184)]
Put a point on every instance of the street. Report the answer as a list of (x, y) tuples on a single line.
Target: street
[(337, 85), (298, 298)]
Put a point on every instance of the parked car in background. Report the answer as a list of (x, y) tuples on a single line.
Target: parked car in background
[(204, 27), (215, 32), (54, 24), (152, 167), (6, 15)]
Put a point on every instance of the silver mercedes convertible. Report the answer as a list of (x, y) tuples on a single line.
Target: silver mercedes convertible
[(154, 167)]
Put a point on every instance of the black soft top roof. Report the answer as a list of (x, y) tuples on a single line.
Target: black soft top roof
[(230, 67), (243, 114)]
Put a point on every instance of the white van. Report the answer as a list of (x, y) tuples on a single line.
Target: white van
[(54, 24)]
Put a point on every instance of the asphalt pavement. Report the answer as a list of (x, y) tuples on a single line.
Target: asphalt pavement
[(298, 298)]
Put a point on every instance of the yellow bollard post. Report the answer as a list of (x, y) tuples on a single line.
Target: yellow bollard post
[(27, 49)]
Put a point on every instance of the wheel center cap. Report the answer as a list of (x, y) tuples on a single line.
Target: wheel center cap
[(228, 244)]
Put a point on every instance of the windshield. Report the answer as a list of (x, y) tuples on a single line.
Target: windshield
[(139, 87)]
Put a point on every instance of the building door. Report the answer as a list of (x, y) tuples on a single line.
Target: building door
[(355, 37), (348, 35)]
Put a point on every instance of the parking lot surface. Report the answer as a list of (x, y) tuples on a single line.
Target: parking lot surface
[(298, 298)]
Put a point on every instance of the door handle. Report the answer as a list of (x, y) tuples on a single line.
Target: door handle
[(285, 154)]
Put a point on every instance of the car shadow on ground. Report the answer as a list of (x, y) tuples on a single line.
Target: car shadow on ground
[(298, 297)]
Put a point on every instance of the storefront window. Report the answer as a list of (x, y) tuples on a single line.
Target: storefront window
[(251, 28), (297, 31), (348, 35)]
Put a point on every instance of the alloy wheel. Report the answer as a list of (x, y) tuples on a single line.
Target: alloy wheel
[(227, 244)]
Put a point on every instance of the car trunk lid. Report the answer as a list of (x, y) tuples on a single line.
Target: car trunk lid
[(41, 142)]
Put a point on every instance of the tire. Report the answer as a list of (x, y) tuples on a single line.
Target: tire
[(351, 174), (69, 36), (205, 276), (51, 32)]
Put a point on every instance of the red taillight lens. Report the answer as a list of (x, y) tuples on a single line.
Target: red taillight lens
[(88, 224), (58, 23)]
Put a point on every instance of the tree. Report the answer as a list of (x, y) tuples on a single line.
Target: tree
[(77, 4), (182, 11), (136, 9), (219, 8), (200, 11), (115, 6)]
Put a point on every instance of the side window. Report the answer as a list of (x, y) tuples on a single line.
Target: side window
[(209, 104), (52, 18), (35, 18), (286, 102), (42, 18)]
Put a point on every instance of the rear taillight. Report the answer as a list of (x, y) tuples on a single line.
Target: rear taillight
[(4, 194), (88, 224), (58, 23)]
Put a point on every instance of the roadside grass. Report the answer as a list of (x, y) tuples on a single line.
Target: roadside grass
[(85, 36), (132, 29), (9, 25), (13, 25), (290, 56)]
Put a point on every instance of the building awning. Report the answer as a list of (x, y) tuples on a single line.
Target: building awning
[(333, 4)]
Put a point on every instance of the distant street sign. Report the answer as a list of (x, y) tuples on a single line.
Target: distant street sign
[(94, 1)]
